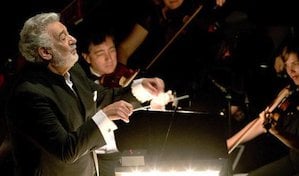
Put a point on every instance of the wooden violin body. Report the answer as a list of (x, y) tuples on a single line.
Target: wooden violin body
[(121, 77)]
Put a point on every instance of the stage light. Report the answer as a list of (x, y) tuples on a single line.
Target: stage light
[(175, 168), (167, 173)]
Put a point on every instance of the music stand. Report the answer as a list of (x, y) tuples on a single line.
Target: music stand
[(175, 136)]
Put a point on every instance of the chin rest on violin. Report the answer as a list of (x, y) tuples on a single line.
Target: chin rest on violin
[(121, 77)]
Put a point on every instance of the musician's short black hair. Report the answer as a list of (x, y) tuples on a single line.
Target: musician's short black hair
[(94, 36)]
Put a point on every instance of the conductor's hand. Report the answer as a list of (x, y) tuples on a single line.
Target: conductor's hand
[(120, 110), (155, 86), (159, 102)]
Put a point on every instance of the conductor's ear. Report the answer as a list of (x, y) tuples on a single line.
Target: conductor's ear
[(45, 53), (86, 57)]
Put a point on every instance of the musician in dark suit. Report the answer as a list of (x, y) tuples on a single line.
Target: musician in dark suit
[(99, 57), (58, 118)]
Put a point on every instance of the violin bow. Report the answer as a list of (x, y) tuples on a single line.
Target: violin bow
[(175, 36), (125, 82)]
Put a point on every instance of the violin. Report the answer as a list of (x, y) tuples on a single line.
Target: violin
[(121, 77), (285, 103), (280, 103)]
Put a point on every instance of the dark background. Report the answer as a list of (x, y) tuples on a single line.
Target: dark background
[(278, 18), (122, 14)]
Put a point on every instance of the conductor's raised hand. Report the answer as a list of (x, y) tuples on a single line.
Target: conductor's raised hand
[(153, 85), (120, 110)]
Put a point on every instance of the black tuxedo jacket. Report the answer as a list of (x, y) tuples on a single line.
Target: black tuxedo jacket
[(52, 130)]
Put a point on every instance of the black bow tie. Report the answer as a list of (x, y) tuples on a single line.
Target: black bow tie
[(94, 77)]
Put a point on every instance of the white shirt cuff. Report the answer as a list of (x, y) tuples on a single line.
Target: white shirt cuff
[(107, 127)]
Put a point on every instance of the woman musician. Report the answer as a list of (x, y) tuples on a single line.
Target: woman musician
[(281, 120)]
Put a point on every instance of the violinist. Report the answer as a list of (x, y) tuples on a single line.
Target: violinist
[(99, 61), (190, 51), (280, 120), (141, 29)]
